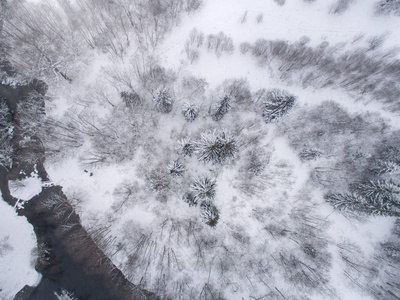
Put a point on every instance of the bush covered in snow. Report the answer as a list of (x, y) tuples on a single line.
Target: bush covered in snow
[(209, 213), (176, 169), (163, 101), (186, 147), (190, 111), (204, 188), (223, 106), (216, 147), (190, 199), (277, 104)]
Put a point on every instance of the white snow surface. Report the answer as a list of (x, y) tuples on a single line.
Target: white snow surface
[(17, 253)]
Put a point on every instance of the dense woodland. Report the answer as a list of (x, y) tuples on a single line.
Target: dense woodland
[(187, 145)]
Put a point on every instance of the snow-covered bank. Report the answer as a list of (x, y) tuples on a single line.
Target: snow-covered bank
[(17, 253)]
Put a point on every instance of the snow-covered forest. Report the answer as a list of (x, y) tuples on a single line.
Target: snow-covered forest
[(216, 149)]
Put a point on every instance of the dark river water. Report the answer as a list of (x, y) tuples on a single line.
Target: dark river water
[(65, 273)]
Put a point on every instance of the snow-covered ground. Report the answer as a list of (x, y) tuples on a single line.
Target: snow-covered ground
[(265, 226), (17, 253)]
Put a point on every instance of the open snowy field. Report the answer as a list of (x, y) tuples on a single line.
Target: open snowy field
[(230, 150)]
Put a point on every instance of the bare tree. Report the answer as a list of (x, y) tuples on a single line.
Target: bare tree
[(6, 135), (340, 6)]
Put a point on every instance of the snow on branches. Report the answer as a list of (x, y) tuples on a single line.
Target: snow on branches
[(209, 213), (224, 105), (216, 147), (374, 197), (176, 169), (190, 111), (186, 147), (204, 188), (382, 167), (163, 101), (381, 192), (278, 104)]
